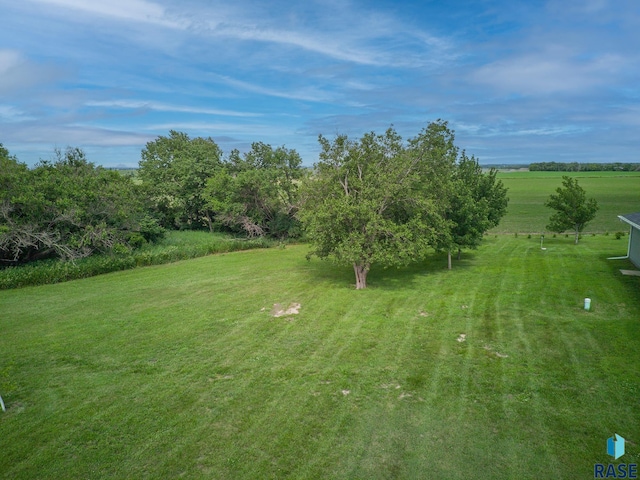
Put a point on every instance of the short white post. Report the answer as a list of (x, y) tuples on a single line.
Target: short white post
[(587, 304)]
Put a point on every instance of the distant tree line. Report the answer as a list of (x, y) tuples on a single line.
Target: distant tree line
[(584, 167)]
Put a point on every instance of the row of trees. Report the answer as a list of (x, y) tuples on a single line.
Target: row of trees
[(375, 200), (584, 167)]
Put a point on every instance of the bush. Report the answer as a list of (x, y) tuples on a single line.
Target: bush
[(136, 240), (619, 235), (151, 230)]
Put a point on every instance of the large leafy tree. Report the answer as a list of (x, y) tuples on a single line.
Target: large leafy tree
[(573, 210), (372, 201), (174, 171), (65, 208), (257, 193), (478, 202)]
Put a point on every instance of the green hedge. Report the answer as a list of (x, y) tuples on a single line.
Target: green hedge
[(55, 271)]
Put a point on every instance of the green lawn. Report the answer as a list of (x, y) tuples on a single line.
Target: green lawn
[(179, 370), (616, 193)]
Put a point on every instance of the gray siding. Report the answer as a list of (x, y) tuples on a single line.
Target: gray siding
[(634, 247)]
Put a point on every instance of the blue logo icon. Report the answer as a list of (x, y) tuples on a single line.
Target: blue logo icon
[(615, 446)]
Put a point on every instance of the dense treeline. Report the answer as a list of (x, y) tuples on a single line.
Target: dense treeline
[(191, 185), (405, 198), (68, 208), (584, 167)]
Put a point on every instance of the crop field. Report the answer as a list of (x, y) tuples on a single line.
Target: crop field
[(490, 370), (617, 193)]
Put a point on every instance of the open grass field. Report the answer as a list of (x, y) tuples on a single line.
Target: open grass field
[(490, 371), (617, 193)]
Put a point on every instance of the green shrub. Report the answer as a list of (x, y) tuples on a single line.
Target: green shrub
[(151, 230), (120, 249), (136, 240)]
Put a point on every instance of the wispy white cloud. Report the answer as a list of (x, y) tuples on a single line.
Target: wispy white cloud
[(310, 94), (220, 128), (74, 134), (319, 43), (363, 42), (164, 107), (129, 10)]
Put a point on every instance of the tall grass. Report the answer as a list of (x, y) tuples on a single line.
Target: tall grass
[(175, 246)]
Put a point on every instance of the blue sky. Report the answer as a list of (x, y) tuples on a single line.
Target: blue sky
[(519, 82)]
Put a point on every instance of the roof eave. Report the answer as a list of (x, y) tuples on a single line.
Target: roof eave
[(626, 220)]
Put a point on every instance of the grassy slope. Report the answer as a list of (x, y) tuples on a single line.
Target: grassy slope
[(177, 369), (616, 193)]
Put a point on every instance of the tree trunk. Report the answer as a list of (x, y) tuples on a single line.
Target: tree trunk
[(361, 275), (577, 236), (209, 222), (459, 254), (449, 259)]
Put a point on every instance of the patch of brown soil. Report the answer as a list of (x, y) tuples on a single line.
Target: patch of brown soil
[(279, 311)]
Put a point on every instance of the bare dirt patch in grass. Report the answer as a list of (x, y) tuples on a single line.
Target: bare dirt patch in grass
[(279, 311)]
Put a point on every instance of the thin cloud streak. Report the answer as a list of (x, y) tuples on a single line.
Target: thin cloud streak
[(128, 10), (162, 107)]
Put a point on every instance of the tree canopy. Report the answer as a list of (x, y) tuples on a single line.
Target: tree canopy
[(257, 193), (478, 200), (573, 210), (376, 200), (174, 171), (66, 208)]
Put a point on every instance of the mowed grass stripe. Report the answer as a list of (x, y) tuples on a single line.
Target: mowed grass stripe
[(177, 370)]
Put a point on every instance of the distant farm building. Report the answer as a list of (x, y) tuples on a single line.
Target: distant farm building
[(633, 219)]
